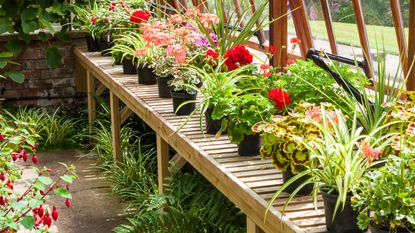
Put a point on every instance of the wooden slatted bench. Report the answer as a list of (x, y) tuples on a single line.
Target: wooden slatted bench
[(248, 182)]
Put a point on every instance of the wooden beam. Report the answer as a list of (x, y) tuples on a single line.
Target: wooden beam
[(251, 227), (410, 85), (302, 27), (125, 114), (261, 35), (400, 33), (329, 25), (364, 42), (178, 161), (238, 12), (92, 112), (278, 32), (115, 127), (162, 162), (101, 88)]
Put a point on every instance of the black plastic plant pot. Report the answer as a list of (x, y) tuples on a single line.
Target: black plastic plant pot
[(212, 126), (104, 46), (92, 44), (164, 87), (146, 75), (128, 67), (293, 186), (179, 97), (250, 145), (377, 229), (345, 220)]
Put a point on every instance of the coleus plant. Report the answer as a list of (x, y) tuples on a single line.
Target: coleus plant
[(279, 138), (31, 208)]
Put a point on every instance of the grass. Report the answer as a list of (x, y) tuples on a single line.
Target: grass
[(347, 34)]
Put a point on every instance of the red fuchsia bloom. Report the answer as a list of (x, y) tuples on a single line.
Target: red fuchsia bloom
[(272, 49), (140, 52), (3, 201), (93, 20), (369, 152), (295, 40), (139, 16), (178, 52), (47, 220), (290, 62), (1, 137), (211, 53), (112, 6), (34, 159), (281, 98), (2, 176), (55, 213), (68, 203), (9, 184), (237, 56)]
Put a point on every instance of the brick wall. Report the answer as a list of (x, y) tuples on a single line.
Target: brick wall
[(43, 86)]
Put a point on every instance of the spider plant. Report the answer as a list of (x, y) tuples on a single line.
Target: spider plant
[(338, 159)]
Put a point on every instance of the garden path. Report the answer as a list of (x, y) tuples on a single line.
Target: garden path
[(94, 208)]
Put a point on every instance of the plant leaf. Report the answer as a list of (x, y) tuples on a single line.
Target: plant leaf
[(45, 180), (16, 76), (4, 24), (13, 46), (63, 193), (28, 222), (53, 57)]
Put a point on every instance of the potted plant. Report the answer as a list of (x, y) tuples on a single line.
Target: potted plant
[(339, 159), (241, 114), (164, 67), (89, 17), (280, 144), (386, 196)]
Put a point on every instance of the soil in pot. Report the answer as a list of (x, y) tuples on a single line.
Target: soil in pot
[(128, 67), (373, 228), (212, 126), (92, 44), (146, 75), (292, 187), (164, 87), (345, 220), (179, 97), (250, 145)]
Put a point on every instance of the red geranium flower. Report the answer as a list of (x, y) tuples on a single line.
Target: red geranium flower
[(295, 40), (139, 16), (211, 53), (264, 67), (290, 62), (281, 98), (272, 49), (237, 56)]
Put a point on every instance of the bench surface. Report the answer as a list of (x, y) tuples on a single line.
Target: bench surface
[(249, 182)]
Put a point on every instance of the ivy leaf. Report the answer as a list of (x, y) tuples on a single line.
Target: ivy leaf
[(62, 36), (14, 46), (53, 57), (63, 193), (6, 54), (28, 222), (43, 36), (29, 14), (3, 63), (29, 26), (16, 76), (11, 7), (45, 180), (4, 24)]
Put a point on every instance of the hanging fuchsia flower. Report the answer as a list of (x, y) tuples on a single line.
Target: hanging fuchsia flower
[(112, 6)]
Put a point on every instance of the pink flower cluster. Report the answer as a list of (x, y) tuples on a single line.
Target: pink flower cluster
[(369, 152), (179, 52), (316, 114), (157, 33), (206, 19)]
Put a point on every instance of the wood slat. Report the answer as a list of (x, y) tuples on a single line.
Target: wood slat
[(400, 33), (410, 85), (329, 25), (278, 32), (301, 25)]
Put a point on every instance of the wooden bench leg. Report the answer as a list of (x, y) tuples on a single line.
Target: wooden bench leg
[(178, 162), (125, 114), (92, 115), (251, 227), (162, 162), (115, 127)]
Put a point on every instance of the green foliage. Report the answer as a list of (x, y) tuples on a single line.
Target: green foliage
[(55, 130), (389, 194), (242, 113), (191, 204), (127, 45), (308, 82)]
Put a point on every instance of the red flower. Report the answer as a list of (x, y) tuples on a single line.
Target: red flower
[(295, 40), (264, 67), (237, 56), (211, 53), (139, 16), (267, 74), (112, 6), (290, 62), (93, 20), (272, 49), (281, 98)]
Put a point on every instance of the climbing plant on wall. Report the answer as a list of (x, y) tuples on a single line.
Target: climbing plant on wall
[(49, 18)]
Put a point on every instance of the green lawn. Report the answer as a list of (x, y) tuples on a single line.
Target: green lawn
[(347, 34)]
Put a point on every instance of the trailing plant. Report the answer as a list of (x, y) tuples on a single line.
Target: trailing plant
[(90, 18), (339, 158), (280, 137), (31, 208), (190, 204), (388, 194)]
